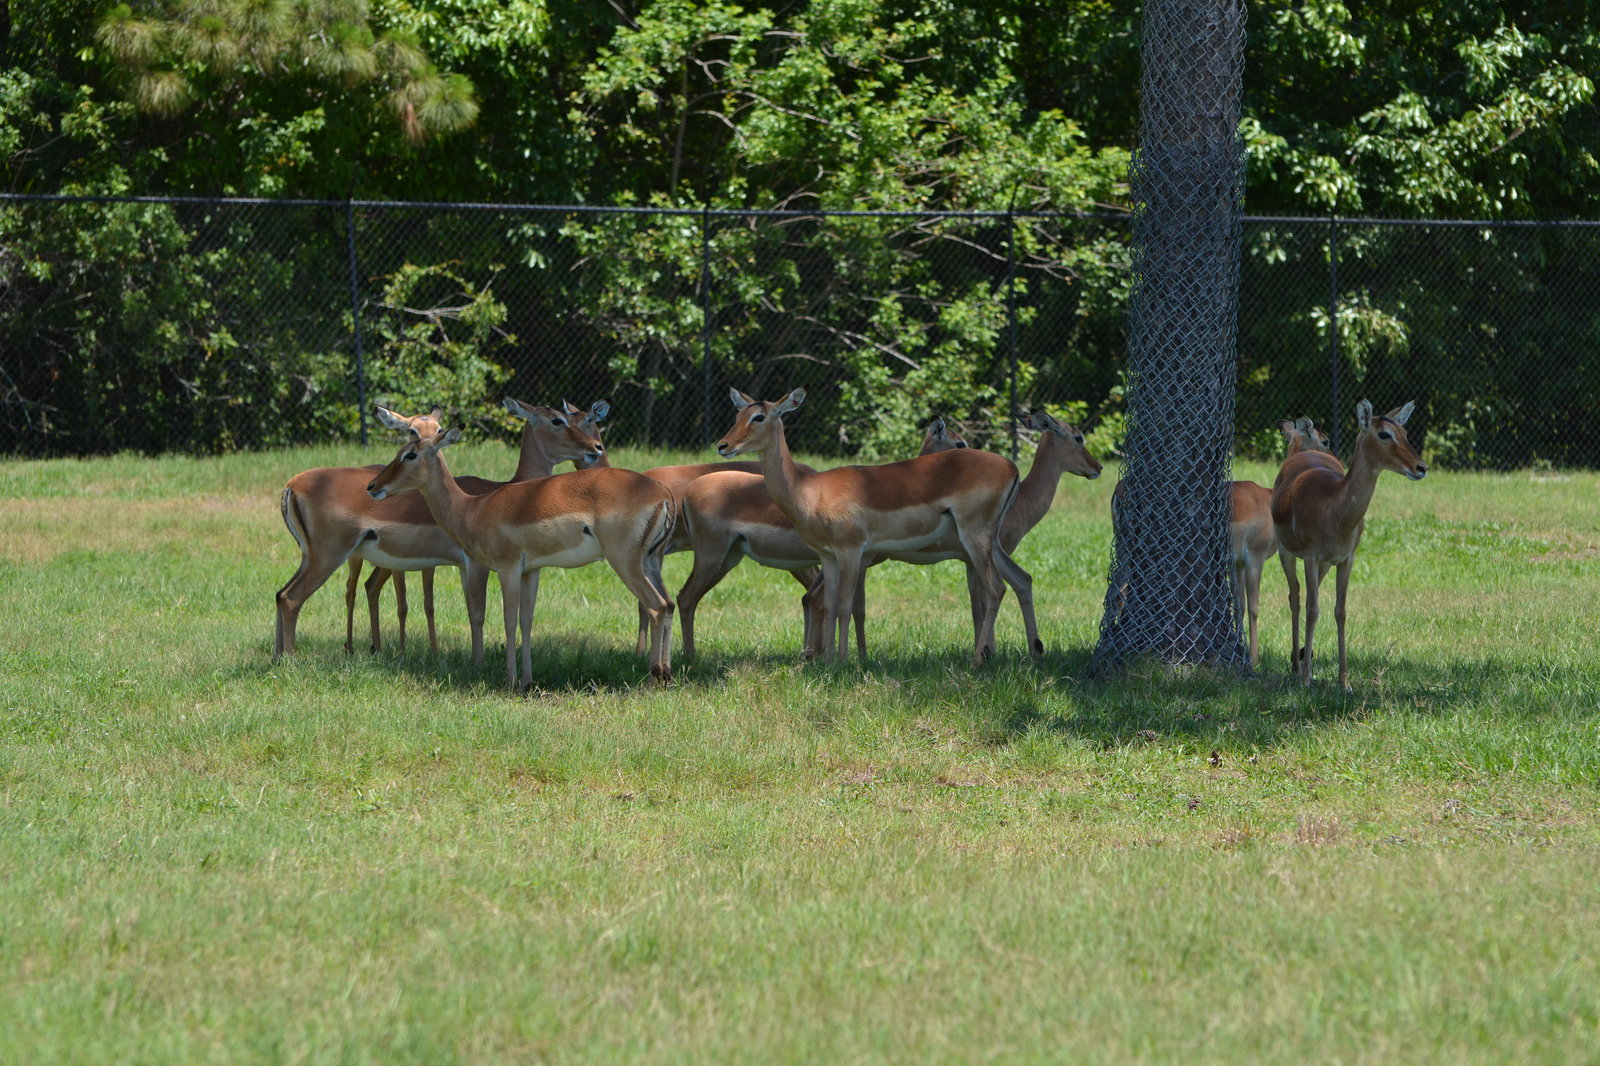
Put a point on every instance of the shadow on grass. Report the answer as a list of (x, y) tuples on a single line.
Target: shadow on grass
[(1010, 698)]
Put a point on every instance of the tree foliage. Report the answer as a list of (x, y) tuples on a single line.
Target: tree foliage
[(1461, 108)]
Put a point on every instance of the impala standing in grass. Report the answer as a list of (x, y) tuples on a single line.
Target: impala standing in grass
[(333, 519), (730, 516), (1255, 538), (850, 512), (565, 520), (1319, 511)]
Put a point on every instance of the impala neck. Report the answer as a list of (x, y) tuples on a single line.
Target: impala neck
[(1037, 491), (1357, 486), (446, 500), (779, 468), (533, 460)]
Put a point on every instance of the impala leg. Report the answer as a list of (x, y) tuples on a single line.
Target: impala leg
[(656, 606), (1341, 586), (1021, 583), (709, 570), (830, 581), (841, 601), (858, 613), (350, 582), (427, 609), (1252, 592), (813, 606), (1314, 573), (510, 608), (529, 599), (311, 576), (475, 587), (980, 549), (401, 607), (374, 587), (1292, 577)]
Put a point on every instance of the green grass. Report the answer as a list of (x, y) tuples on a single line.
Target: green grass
[(207, 857)]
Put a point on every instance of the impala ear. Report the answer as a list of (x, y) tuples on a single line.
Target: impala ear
[(389, 418), (936, 427), (1364, 414), (598, 410), (1305, 425), (567, 408), (790, 402), (1400, 414), (437, 413), (740, 400), (1288, 428), (521, 410), (450, 436)]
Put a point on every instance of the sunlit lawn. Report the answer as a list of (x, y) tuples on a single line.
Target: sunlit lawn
[(208, 857)]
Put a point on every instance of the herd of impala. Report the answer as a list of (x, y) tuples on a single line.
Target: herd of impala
[(826, 527)]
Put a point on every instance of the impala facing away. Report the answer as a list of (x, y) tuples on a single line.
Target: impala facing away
[(1319, 511), (1255, 539), (729, 516), (565, 520), (333, 519), (849, 512)]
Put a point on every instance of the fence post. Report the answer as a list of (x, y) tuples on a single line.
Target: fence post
[(1011, 321), (705, 321), (355, 313), (1333, 322)]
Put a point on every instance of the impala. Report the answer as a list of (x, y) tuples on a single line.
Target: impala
[(1319, 511), (333, 519), (848, 512), (565, 520), (1254, 538), (730, 516), (1060, 450)]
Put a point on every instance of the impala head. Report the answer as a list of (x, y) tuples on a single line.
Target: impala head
[(560, 435), (1383, 439), (1302, 435), (407, 472), (427, 425), (941, 438), (756, 422), (1069, 439), (589, 421)]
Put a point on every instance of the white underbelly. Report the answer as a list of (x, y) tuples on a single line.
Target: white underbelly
[(921, 539), (375, 555), (583, 553)]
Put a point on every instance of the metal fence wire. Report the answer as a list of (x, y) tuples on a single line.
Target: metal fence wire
[(205, 325), (1170, 596)]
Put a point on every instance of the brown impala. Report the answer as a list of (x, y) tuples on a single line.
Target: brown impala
[(849, 512), (565, 520), (1319, 511), (730, 516), (332, 519), (1255, 539)]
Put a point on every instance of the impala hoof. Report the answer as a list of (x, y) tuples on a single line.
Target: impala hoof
[(662, 674), (1038, 649)]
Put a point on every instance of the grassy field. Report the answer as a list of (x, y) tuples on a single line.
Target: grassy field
[(206, 857)]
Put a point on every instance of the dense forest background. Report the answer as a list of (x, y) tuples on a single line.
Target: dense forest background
[(1427, 109)]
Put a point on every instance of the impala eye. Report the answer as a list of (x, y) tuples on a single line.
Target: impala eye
[(758, 418), (961, 444), (1384, 434), (409, 456), (1078, 438), (558, 421)]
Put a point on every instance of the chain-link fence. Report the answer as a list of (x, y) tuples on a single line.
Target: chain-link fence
[(206, 325)]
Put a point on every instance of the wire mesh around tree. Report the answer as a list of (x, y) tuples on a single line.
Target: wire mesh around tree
[(1170, 595)]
